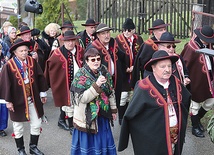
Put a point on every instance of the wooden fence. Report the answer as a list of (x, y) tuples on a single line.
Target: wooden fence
[(143, 13)]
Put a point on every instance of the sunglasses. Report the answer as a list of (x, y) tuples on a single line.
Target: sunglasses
[(129, 30), (95, 59), (169, 46)]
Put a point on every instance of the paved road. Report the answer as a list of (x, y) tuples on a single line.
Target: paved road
[(55, 141)]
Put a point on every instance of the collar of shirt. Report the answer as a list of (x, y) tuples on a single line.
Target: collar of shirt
[(73, 51)]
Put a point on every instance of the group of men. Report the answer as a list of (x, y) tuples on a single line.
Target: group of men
[(164, 83)]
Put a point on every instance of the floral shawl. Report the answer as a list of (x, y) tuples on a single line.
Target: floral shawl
[(83, 80)]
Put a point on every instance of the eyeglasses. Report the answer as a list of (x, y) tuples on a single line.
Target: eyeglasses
[(129, 30), (169, 46), (95, 59)]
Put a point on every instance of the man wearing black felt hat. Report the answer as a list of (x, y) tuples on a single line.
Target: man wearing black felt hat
[(87, 35), (200, 68), (60, 69), (23, 87), (168, 43), (156, 117), (129, 43), (58, 42), (147, 49), (111, 56)]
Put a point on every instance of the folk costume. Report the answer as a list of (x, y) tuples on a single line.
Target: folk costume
[(58, 42), (129, 43), (93, 108), (179, 68), (201, 85), (3, 109), (156, 117), (111, 58), (61, 67), (85, 38), (145, 53), (23, 84)]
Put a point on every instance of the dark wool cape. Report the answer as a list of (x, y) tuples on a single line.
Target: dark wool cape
[(200, 86), (130, 55), (13, 88), (147, 121), (56, 73)]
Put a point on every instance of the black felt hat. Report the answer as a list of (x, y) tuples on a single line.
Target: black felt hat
[(205, 33), (167, 37), (128, 24), (35, 32), (101, 28), (90, 22), (158, 23), (67, 24), (19, 42), (23, 30), (157, 56), (69, 35)]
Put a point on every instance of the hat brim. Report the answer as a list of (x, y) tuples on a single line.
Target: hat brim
[(202, 37), (68, 27), (15, 46), (70, 38), (163, 41), (159, 26), (21, 33), (148, 65), (92, 24), (102, 30)]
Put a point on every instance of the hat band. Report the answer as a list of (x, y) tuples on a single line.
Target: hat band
[(103, 29), (206, 36)]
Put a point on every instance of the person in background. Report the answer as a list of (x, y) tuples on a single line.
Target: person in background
[(3, 108), (35, 50), (58, 42), (4, 29), (167, 43), (94, 108), (111, 56), (200, 68), (87, 35), (146, 50), (129, 43), (61, 67), (23, 87), (157, 115), (11, 37)]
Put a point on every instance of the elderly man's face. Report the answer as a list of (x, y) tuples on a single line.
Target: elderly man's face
[(69, 44), (90, 29), (159, 32), (169, 48), (26, 36), (128, 32), (162, 70), (21, 52), (104, 37)]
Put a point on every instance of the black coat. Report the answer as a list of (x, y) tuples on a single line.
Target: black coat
[(147, 121)]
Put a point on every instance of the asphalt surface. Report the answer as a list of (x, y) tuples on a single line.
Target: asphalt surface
[(56, 141)]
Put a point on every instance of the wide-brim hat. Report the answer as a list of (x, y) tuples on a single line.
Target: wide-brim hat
[(69, 35), (67, 24), (157, 56), (128, 24), (23, 30), (205, 33), (157, 24), (90, 22), (19, 42), (167, 37), (101, 28)]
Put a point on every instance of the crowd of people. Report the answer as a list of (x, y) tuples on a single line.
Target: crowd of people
[(94, 78)]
